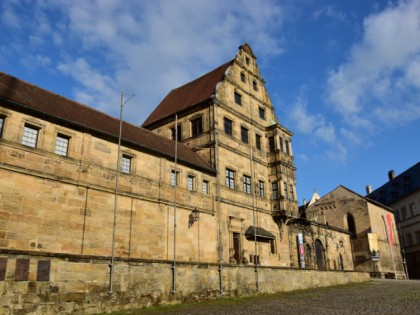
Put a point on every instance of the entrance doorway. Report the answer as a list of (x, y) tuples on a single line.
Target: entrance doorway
[(319, 251)]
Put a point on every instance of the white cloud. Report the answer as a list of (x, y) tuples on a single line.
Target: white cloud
[(382, 70)]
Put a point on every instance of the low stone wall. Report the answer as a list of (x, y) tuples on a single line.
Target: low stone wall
[(81, 285)]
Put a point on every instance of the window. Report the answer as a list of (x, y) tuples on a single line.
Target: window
[(238, 98), (247, 184), (205, 187), (285, 191), (408, 239), (30, 136), (412, 208), (176, 133), (126, 164), (244, 134), (418, 237), (174, 178), (197, 126), (351, 224), (287, 147), (62, 145), (261, 112), (191, 183), (242, 77), (228, 126), (254, 85), (230, 178), (261, 188), (275, 190), (22, 269), (1, 125), (292, 196), (258, 141), (397, 215), (404, 213), (281, 145), (247, 60), (272, 246), (271, 145)]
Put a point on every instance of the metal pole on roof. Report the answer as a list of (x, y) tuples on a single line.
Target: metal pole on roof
[(112, 264), (175, 184)]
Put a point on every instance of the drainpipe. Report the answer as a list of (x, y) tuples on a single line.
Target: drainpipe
[(219, 227), (175, 184)]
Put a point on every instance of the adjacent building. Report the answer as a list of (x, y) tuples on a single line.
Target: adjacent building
[(375, 244), (402, 194)]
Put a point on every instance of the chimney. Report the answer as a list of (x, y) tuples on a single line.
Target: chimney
[(391, 174), (368, 189)]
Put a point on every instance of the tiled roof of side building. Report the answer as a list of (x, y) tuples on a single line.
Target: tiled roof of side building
[(20, 95), (188, 95)]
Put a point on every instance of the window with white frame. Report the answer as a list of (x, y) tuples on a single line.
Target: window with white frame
[(174, 178), (126, 162), (30, 136), (230, 178), (205, 187), (247, 184), (191, 182), (62, 145)]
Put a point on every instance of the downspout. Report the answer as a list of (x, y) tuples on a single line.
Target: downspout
[(175, 185)]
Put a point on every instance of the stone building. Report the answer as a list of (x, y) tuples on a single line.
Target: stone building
[(208, 180), (374, 238), (402, 194)]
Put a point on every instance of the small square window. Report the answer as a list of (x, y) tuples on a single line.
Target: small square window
[(30, 136), (228, 126), (126, 164), (244, 134), (62, 145), (191, 182), (205, 187), (242, 77), (258, 141), (238, 98), (197, 126), (261, 112)]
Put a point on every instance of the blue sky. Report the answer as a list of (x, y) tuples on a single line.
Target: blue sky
[(344, 76)]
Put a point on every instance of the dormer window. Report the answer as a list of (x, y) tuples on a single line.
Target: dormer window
[(243, 77), (247, 60)]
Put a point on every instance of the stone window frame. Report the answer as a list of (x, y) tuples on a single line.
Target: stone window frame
[(177, 177), (242, 77), (246, 183), (197, 129), (127, 163), (258, 143), (261, 112), (275, 190), (245, 135), (273, 246), (261, 188), (62, 144), (30, 135), (255, 85), (206, 183), (191, 182), (2, 123), (230, 177), (225, 129), (172, 132), (237, 98)]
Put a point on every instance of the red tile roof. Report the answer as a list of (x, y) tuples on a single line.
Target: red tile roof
[(22, 96), (188, 95)]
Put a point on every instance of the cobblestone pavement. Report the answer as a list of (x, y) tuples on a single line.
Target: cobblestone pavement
[(377, 296)]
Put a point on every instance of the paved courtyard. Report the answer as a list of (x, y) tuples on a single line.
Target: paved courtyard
[(378, 296)]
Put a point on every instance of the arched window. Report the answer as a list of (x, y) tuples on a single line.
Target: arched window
[(319, 252), (351, 226)]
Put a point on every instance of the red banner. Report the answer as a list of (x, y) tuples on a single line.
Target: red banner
[(389, 228)]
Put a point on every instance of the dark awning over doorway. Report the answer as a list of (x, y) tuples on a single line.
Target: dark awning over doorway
[(260, 233)]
